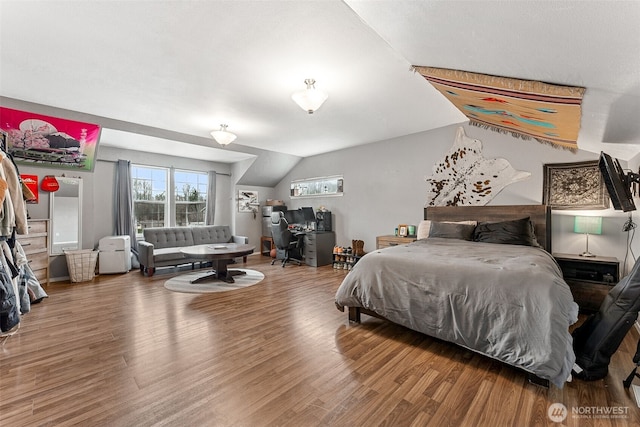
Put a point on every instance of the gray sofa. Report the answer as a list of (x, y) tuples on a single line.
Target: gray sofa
[(161, 245)]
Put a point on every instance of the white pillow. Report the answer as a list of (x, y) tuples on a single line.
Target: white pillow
[(425, 226), (423, 229)]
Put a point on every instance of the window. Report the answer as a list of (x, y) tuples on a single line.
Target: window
[(317, 187), (150, 204), (186, 205), (191, 197)]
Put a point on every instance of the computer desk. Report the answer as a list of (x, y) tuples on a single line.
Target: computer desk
[(317, 246)]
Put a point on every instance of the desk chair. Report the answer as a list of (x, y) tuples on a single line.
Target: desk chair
[(595, 341), (285, 240)]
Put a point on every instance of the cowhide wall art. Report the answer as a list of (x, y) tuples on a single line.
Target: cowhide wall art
[(465, 177)]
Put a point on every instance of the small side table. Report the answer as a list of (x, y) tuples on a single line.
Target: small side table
[(590, 278), (266, 244), (386, 241)]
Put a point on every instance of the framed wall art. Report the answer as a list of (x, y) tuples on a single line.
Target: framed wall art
[(248, 201), (574, 186), (39, 140)]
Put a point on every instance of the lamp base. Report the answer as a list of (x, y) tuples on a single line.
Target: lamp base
[(587, 254)]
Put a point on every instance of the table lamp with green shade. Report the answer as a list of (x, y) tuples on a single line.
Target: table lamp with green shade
[(587, 225)]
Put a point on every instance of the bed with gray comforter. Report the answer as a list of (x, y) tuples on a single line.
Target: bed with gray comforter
[(508, 302)]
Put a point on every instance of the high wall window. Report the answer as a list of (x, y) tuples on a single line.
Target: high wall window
[(155, 206), (318, 187)]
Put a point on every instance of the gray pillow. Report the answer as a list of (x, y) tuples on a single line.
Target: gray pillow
[(451, 230)]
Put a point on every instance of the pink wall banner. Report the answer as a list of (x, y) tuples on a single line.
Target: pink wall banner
[(39, 140)]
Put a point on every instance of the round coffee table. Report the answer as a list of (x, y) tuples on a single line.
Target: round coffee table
[(220, 255)]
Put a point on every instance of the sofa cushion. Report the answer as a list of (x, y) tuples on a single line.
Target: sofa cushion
[(168, 237), (167, 254), (205, 234)]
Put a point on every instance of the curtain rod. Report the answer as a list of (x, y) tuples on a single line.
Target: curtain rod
[(154, 166)]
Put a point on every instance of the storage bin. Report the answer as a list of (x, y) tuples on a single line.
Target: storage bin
[(81, 264)]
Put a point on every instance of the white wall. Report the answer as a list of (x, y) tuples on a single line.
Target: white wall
[(384, 185)]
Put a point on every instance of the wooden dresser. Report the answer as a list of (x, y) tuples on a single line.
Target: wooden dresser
[(36, 247)]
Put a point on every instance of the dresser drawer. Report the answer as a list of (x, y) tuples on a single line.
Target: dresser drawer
[(33, 244), (39, 260), (310, 255), (35, 227), (41, 275)]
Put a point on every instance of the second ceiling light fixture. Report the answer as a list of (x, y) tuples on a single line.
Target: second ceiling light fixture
[(310, 99)]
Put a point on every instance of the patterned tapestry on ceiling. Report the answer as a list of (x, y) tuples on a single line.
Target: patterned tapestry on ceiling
[(465, 177), (526, 109)]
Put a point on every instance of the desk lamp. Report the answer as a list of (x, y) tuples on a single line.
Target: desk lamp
[(587, 225)]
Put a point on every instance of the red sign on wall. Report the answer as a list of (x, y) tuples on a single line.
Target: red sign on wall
[(31, 191)]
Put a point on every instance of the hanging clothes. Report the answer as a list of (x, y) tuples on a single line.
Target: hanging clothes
[(9, 307), (14, 188), (29, 289), (17, 287)]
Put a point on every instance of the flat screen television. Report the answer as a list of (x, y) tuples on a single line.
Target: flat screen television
[(618, 183)]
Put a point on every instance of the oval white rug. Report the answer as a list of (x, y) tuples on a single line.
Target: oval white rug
[(183, 283)]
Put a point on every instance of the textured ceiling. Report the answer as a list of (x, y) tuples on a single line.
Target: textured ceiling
[(175, 70)]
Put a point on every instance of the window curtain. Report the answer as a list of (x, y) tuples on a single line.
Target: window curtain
[(124, 206), (210, 213)]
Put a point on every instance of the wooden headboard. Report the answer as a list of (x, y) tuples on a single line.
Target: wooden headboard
[(540, 216)]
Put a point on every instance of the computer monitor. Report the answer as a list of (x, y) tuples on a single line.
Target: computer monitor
[(291, 217), (307, 214)]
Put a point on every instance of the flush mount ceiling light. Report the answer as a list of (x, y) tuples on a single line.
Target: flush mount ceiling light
[(222, 136), (311, 98)]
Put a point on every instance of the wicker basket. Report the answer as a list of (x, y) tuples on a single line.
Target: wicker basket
[(81, 264)]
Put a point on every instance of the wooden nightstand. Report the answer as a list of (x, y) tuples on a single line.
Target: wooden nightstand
[(590, 278), (386, 241)]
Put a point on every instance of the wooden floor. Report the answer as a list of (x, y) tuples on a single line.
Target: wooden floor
[(124, 351)]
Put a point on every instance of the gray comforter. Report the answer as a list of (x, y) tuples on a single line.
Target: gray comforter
[(507, 302)]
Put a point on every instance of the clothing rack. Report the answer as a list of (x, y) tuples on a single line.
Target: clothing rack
[(18, 283)]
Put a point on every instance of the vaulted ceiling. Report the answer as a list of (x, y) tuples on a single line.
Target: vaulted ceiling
[(161, 75)]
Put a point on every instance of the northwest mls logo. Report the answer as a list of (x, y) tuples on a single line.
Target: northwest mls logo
[(557, 412)]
